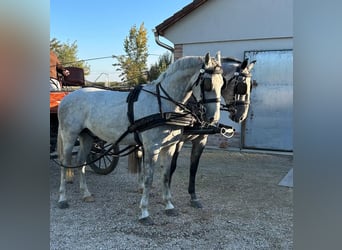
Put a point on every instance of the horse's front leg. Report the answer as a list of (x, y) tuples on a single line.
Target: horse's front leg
[(174, 159), (150, 159), (198, 146), (139, 161), (166, 156)]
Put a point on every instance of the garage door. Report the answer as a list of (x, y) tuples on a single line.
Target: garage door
[(269, 122)]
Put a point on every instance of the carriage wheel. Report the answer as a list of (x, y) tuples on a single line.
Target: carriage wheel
[(108, 162)]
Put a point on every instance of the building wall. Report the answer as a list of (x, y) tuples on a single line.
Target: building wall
[(234, 20), (233, 27), (236, 48)]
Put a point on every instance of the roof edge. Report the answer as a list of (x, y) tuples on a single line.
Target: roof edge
[(160, 28)]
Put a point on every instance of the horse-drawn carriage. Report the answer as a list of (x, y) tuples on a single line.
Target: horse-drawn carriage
[(101, 157)]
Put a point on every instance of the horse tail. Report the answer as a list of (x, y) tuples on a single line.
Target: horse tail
[(134, 162)]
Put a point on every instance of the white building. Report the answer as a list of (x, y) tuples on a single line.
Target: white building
[(255, 29)]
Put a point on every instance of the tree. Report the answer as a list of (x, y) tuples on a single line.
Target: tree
[(67, 54), (133, 63), (160, 66)]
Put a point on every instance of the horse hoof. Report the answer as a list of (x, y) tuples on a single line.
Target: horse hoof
[(195, 204), (63, 204), (147, 221), (171, 212), (89, 198)]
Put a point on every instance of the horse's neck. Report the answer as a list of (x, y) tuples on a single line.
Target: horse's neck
[(179, 85)]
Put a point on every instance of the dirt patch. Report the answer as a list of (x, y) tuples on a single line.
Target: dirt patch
[(243, 207)]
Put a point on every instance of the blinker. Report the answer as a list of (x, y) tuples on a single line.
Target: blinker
[(241, 88), (207, 84)]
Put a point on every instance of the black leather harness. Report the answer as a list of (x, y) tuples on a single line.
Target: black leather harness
[(182, 119), (162, 118)]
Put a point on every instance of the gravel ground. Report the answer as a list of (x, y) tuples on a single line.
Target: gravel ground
[(243, 207)]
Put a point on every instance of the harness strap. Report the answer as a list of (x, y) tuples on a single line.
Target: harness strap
[(131, 98), (169, 98), (211, 100), (158, 98)]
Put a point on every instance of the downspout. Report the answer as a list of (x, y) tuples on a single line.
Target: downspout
[(161, 44)]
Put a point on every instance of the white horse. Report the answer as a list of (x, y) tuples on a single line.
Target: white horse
[(104, 113)]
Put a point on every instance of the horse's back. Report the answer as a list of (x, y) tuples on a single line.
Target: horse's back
[(93, 96), (95, 109)]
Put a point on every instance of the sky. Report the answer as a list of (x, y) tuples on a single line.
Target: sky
[(100, 28)]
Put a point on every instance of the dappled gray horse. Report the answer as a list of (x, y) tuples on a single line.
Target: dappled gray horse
[(236, 94), (156, 121)]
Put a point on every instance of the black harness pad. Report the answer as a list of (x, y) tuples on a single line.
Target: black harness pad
[(131, 98)]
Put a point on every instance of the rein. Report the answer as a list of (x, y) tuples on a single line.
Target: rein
[(186, 119)]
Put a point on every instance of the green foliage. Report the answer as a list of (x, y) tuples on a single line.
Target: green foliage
[(133, 64), (160, 66), (67, 54)]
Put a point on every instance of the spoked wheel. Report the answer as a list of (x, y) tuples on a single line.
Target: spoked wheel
[(108, 162)]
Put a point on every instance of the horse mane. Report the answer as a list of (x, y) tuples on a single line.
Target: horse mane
[(230, 59), (181, 64)]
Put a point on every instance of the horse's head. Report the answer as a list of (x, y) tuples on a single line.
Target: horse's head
[(237, 89), (207, 88)]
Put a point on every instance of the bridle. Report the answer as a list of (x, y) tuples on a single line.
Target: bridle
[(204, 79), (240, 89)]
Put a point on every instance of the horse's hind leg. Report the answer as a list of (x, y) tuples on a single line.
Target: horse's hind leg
[(198, 146), (174, 160), (86, 142), (65, 145)]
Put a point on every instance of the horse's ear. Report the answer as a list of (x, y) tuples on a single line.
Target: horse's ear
[(251, 65), (207, 58), (218, 57), (244, 64)]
